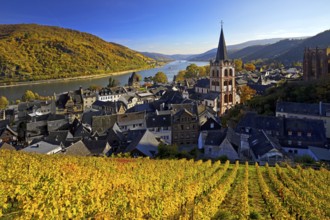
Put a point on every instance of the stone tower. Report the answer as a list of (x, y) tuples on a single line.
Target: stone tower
[(222, 77), (316, 64)]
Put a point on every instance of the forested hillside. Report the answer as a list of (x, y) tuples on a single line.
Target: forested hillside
[(35, 52)]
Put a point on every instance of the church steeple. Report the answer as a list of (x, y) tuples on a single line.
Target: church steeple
[(222, 49)]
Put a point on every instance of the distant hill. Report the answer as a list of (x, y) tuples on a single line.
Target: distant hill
[(321, 40), (35, 52), (270, 51), (158, 56), (166, 58), (286, 51), (210, 54)]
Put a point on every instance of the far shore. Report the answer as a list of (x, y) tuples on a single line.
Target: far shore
[(24, 83)]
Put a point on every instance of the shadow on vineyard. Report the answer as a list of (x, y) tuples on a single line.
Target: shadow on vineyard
[(37, 186)]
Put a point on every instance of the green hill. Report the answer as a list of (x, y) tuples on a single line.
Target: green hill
[(34, 52)]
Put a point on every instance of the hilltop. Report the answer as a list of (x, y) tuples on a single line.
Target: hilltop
[(285, 51), (31, 52)]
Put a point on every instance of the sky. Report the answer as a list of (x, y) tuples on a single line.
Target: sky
[(175, 26)]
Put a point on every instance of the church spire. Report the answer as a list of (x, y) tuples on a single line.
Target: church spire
[(222, 49)]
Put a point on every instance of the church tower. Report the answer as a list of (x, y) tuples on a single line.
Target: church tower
[(222, 77)]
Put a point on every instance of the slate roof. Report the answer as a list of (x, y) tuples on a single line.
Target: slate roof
[(147, 107), (42, 147), (203, 83), (96, 147), (144, 141), (77, 149), (6, 146), (87, 117), (322, 154), (60, 136), (260, 89), (103, 123), (154, 120), (215, 138), (259, 143), (303, 108), (129, 118)]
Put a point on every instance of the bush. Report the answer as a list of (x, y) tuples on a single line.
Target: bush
[(304, 159)]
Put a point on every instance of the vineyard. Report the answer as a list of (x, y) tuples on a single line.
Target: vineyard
[(36, 186)]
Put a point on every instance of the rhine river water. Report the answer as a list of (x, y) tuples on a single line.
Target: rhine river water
[(47, 89)]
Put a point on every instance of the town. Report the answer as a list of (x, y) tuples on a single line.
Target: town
[(146, 121)]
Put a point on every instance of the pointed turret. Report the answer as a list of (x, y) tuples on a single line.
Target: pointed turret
[(222, 49)]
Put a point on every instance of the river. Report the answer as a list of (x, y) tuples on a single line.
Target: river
[(47, 89)]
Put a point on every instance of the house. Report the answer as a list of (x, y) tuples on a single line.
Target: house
[(202, 86), (134, 80), (129, 100), (160, 125), (116, 139), (44, 147), (70, 103), (212, 123), (111, 94), (7, 135), (293, 134), (185, 126), (35, 108), (102, 123), (77, 149), (319, 154), (6, 146), (142, 143), (109, 107), (89, 97), (218, 143), (97, 147), (264, 148), (132, 121), (59, 136), (319, 111)]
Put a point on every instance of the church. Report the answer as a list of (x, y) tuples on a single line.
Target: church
[(219, 91), (316, 64)]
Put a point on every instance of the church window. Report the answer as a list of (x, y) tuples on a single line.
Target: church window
[(225, 83), (230, 82), (226, 98), (217, 73), (231, 72), (226, 72), (213, 73), (230, 97)]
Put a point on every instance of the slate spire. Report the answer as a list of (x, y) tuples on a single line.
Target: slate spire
[(222, 49)]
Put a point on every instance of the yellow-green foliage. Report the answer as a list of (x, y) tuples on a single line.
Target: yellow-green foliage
[(37, 186), (34, 52)]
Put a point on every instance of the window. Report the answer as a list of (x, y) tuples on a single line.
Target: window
[(309, 134), (295, 151), (299, 143), (212, 125), (289, 133), (289, 142), (299, 133), (226, 72)]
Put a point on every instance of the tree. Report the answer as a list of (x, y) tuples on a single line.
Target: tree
[(246, 93), (192, 71), (238, 65), (181, 76), (139, 77), (28, 96), (249, 67), (113, 82), (3, 102), (160, 77), (202, 71), (94, 87)]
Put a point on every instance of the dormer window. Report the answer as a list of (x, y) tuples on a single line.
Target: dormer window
[(309, 134), (299, 133), (289, 133)]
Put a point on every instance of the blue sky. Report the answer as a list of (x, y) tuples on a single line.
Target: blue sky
[(175, 26)]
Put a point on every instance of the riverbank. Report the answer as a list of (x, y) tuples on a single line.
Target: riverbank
[(13, 84)]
